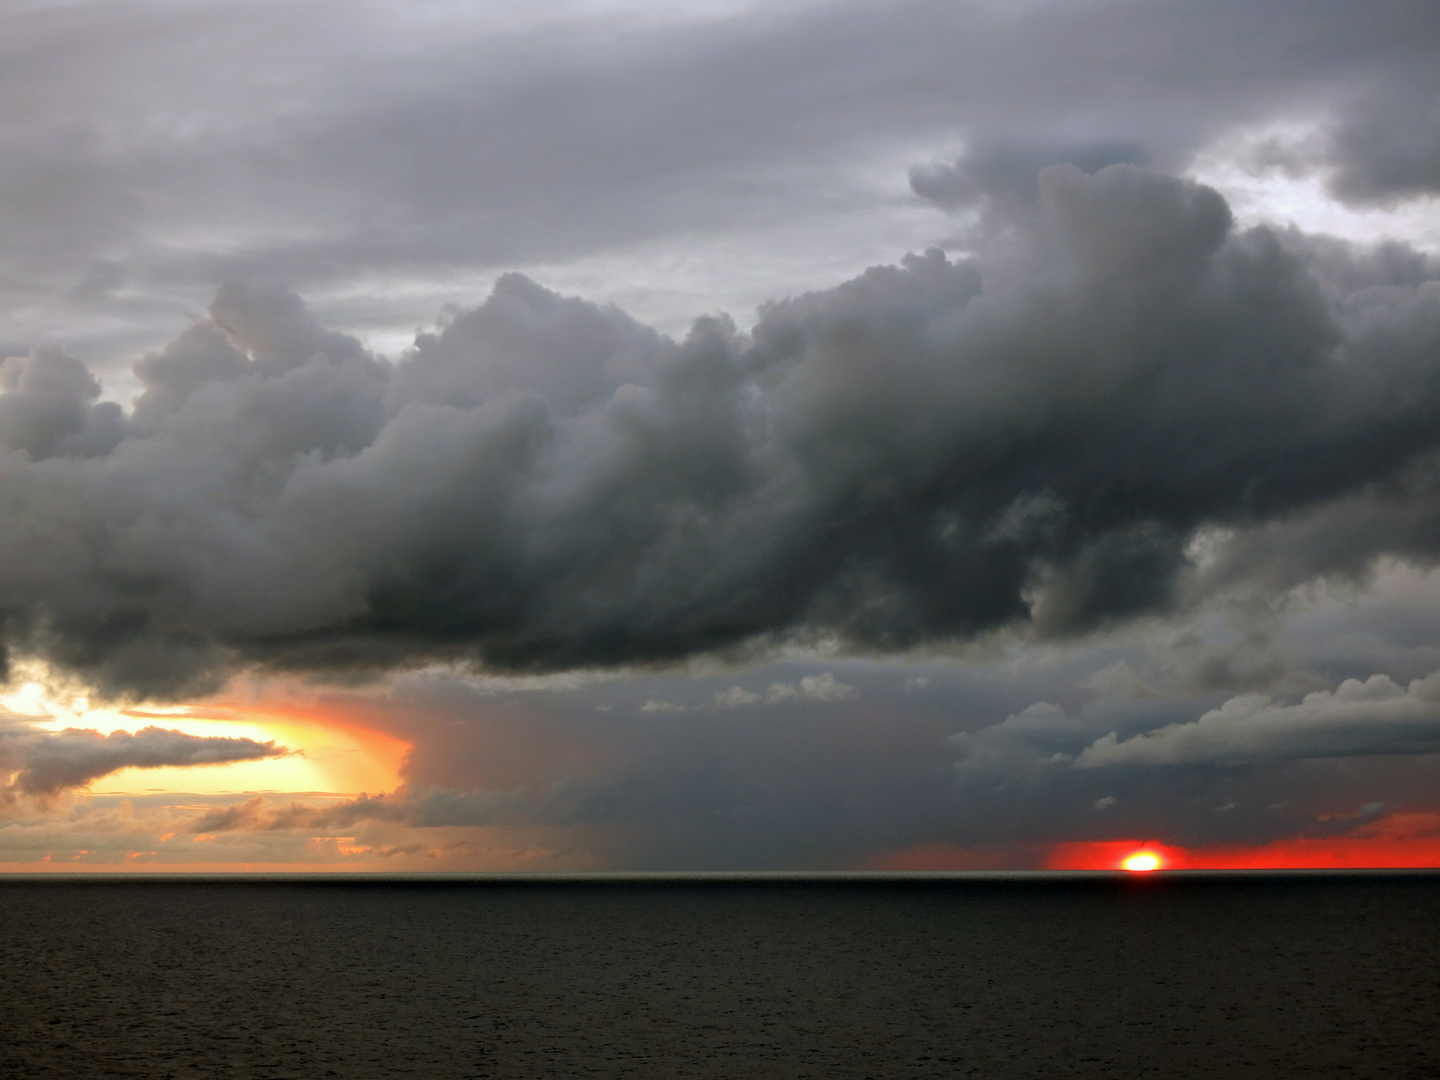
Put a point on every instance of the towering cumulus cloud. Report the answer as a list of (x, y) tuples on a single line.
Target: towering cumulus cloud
[(1034, 437)]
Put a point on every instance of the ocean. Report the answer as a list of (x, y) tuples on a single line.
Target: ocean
[(1165, 975)]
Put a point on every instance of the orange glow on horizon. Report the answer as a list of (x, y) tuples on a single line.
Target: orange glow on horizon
[(1398, 842), (323, 750), (327, 754), (132, 865)]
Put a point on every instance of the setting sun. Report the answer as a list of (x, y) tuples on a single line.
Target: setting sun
[(1142, 861)]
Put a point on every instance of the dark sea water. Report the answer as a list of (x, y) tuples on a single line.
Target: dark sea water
[(1274, 977)]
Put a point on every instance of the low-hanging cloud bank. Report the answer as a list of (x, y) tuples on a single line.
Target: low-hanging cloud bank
[(1376, 716), (43, 763), (1031, 438)]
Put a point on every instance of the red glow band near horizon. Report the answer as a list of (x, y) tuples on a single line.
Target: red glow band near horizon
[(1396, 842)]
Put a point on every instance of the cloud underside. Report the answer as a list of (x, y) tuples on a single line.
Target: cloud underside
[(1032, 438), (43, 763)]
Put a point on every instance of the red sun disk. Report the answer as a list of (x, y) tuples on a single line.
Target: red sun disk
[(1143, 861), (1399, 841)]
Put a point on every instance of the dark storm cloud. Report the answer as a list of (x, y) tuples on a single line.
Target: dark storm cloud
[(928, 452), (46, 762)]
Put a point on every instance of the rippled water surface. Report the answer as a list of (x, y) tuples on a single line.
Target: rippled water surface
[(1231, 977)]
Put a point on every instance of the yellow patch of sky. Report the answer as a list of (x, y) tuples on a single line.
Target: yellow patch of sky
[(323, 756)]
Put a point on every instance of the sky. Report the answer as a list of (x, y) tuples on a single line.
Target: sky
[(622, 436)]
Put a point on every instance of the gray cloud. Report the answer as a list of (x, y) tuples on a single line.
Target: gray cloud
[(259, 813), (1031, 439), (1386, 144), (41, 763), (773, 785), (1010, 172), (173, 148), (763, 786), (1039, 737), (49, 407), (1371, 717), (822, 687)]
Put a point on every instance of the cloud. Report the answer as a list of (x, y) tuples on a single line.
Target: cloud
[(1030, 440), (1359, 718), (1009, 171), (1039, 737), (823, 687), (258, 813), (772, 786), (750, 787), (737, 697), (42, 763), (1386, 139), (48, 407), (387, 154)]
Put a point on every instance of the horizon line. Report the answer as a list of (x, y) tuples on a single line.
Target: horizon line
[(718, 877)]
